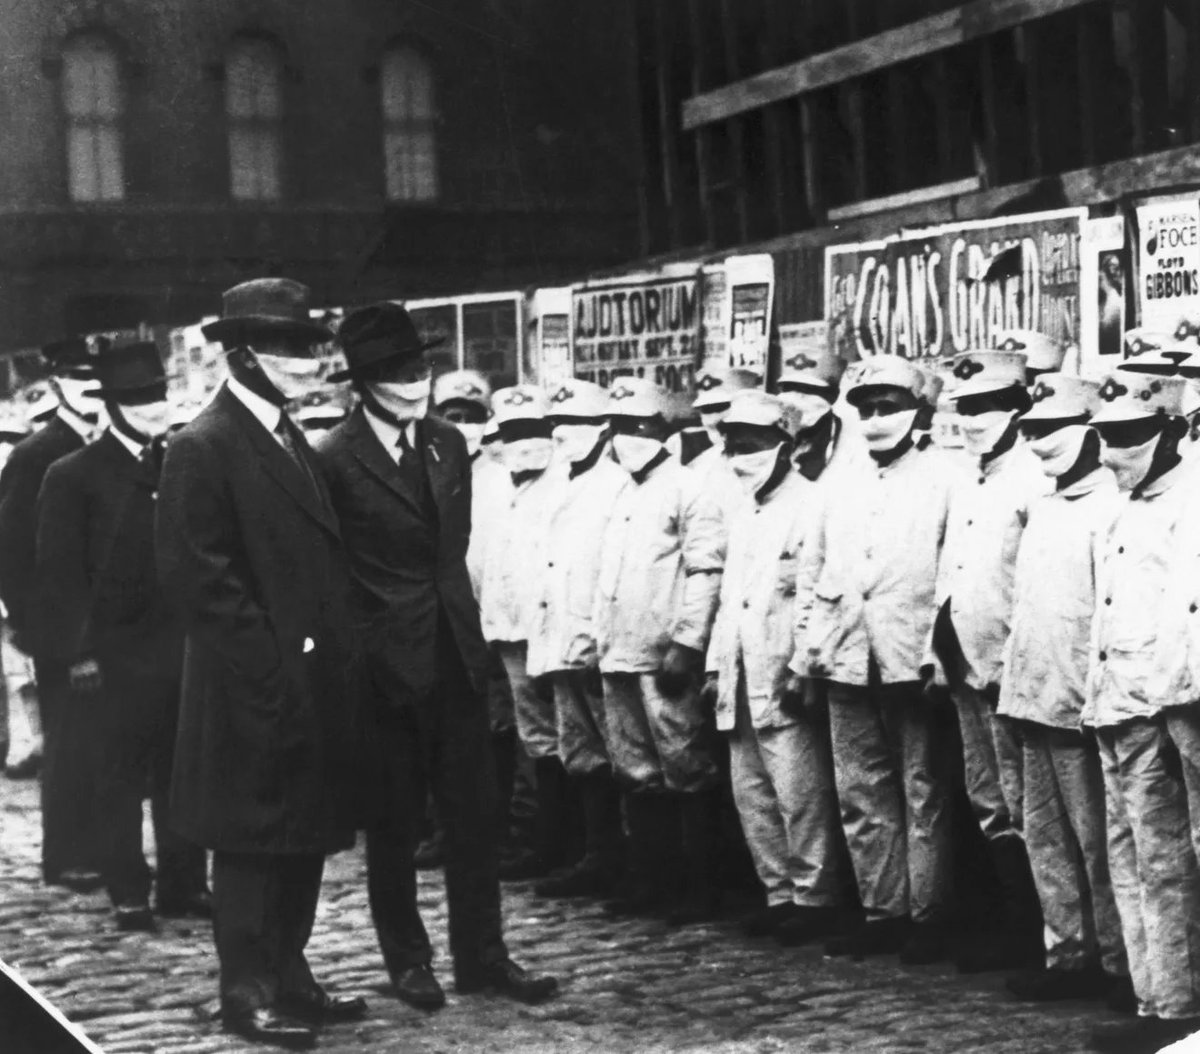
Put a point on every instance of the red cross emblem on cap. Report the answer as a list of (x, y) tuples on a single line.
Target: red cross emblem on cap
[(967, 369), (562, 395), (1186, 329), (1012, 344), (708, 382), (517, 399), (1110, 389), (800, 361), (470, 388), (623, 393), (1138, 346), (1153, 388), (1042, 391)]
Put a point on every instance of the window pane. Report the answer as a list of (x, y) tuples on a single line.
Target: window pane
[(253, 80), (83, 178), (91, 79), (254, 162), (108, 160), (490, 340), (407, 85)]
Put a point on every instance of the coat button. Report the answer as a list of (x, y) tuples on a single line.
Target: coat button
[(1108, 600), (746, 604), (1192, 609), (1103, 656), (1120, 548)]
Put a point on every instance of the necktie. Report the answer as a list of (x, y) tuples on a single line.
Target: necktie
[(403, 444), (286, 433)]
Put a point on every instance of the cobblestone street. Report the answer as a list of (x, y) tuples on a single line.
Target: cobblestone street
[(627, 986)]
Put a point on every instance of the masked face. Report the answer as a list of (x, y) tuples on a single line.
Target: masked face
[(78, 396), (473, 434), (710, 420), (1059, 450), (405, 400), (148, 420), (634, 453), (293, 376), (809, 406), (1130, 464), (574, 442), (884, 432), (981, 432), (754, 469), (528, 455)]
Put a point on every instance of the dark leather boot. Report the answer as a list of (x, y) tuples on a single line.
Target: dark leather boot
[(597, 873), (702, 890), (1019, 945)]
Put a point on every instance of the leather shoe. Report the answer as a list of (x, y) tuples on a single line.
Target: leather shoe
[(266, 1026), (429, 855), (188, 906), (24, 770), (1055, 983), (878, 937), (318, 1007), (507, 978), (79, 879), (418, 987), (134, 918), (1142, 1036), (809, 924)]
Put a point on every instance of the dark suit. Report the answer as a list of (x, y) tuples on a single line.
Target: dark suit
[(70, 834), (100, 599), (267, 757), (406, 529)]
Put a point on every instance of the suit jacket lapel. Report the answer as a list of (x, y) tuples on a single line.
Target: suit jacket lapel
[(378, 461), (124, 464), (279, 465), (437, 464)]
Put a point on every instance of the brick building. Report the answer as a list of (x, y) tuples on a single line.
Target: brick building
[(157, 151)]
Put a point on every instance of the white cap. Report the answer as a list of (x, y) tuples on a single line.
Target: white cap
[(718, 387), (1041, 352), (637, 397), (1057, 396), (522, 402), (467, 386), (1136, 396), (576, 398), (813, 368), (984, 372), (886, 371), (761, 410)]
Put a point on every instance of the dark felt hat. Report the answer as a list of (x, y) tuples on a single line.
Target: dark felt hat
[(131, 371), (377, 334), (71, 355), (277, 305)]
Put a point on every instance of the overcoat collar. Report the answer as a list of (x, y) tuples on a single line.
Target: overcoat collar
[(278, 464)]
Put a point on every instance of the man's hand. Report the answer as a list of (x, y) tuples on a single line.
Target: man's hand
[(680, 668), (85, 676), (793, 699), (934, 685), (710, 692)]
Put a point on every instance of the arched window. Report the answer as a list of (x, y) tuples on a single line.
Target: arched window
[(254, 108), (409, 147), (93, 102)]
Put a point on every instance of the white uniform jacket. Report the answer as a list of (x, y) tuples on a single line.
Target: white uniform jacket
[(868, 571), (562, 636), (1130, 657), (988, 512), (660, 570), (756, 616), (1054, 599), (1177, 680), (491, 494), (512, 564)]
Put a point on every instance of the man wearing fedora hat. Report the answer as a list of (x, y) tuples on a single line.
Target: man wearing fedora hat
[(401, 484), (268, 754), (103, 616), (70, 836)]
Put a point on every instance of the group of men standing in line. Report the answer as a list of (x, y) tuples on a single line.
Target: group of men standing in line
[(295, 643)]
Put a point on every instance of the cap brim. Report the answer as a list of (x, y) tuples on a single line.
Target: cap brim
[(707, 400), (1116, 414), (981, 387), (860, 391), (1158, 369), (366, 367), (228, 329), (1048, 410)]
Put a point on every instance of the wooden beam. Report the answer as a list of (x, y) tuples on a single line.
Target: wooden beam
[(666, 125), (737, 147), (1028, 40), (956, 188), (704, 150), (924, 37), (1191, 23), (1087, 42)]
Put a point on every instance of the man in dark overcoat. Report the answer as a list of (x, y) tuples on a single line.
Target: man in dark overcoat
[(266, 759), (101, 614), (71, 849), (401, 485)]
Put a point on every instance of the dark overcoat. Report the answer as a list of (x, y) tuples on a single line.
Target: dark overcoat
[(408, 573), (249, 554), (20, 482), (96, 581)]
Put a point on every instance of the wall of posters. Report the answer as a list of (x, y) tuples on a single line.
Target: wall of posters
[(750, 285), (1102, 266), (944, 290), (1169, 262)]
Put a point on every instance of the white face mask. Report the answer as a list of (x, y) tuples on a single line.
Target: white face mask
[(981, 432), (574, 442), (753, 470), (406, 400), (810, 406), (1129, 464), (473, 434), (150, 419), (887, 432), (710, 423), (1059, 451), (528, 455), (292, 375), (71, 393), (635, 452)]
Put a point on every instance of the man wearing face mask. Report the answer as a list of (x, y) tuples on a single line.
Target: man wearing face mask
[(865, 607), (659, 579), (509, 596), (71, 849), (400, 480), (780, 762), (1045, 673), (103, 617), (1154, 871), (809, 384), (562, 642), (701, 448), (269, 755), (318, 414), (988, 512)]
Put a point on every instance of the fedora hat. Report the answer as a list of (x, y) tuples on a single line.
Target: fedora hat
[(376, 334), (276, 305), (132, 372), (70, 356)]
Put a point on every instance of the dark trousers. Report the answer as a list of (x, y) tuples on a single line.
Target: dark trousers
[(136, 746), (71, 820), (442, 744), (263, 911)]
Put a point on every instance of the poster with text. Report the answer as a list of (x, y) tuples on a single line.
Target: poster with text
[(1102, 268), (1169, 263), (552, 339), (750, 284), (714, 316), (945, 290)]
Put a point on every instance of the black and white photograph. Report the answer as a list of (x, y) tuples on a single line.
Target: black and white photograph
[(600, 526)]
